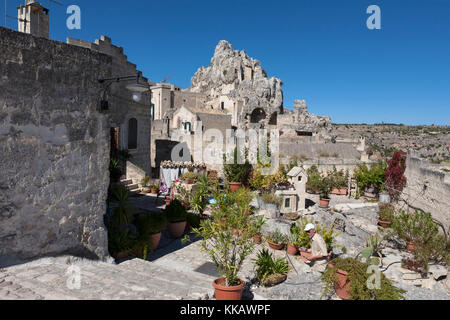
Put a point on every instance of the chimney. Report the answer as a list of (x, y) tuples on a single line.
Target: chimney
[(33, 19)]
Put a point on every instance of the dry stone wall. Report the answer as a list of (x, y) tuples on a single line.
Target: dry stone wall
[(54, 149), (428, 189)]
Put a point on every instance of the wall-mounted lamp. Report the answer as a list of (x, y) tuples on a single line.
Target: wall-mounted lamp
[(136, 88)]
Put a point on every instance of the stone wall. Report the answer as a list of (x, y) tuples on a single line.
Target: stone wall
[(122, 106), (54, 149), (427, 188)]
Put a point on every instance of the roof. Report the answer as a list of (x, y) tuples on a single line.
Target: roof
[(295, 171)]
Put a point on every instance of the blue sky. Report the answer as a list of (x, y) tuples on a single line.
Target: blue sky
[(321, 50)]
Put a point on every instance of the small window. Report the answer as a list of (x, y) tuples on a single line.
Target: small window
[(299, 178), (222, 105), (287, 202)]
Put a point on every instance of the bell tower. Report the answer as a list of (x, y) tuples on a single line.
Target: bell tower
[(33, 18)]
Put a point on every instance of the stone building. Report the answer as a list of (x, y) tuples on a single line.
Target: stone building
[(55, 141), (236, 86)]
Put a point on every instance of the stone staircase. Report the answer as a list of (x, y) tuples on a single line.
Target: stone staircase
[(133, 188), (134, 279)]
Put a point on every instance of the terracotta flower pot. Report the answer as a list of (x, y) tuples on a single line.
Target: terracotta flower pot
[(121, 255), (235, 185), (324, 203), (335, 191), (176, 229), (257, 239), (275, 246), (384, 224), (154, 191), (227, 293), (155, 240), (410, 246), (291, 249), (343, 191), (342, 285)]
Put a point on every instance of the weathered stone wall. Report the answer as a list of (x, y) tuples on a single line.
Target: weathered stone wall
[(54, 149), (428, 189)]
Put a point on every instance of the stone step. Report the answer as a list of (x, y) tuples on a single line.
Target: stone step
[(126, 182), (132, 186)]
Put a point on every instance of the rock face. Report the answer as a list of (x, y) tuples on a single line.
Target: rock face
[(235, 74), (54, 149)]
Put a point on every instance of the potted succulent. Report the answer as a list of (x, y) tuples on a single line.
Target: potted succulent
[(270, 271), (276, 240), (349, 278), (325, 185), (176, 216), (257, 225), (386, 214), (292, 246), (228, 242), (189, 177)]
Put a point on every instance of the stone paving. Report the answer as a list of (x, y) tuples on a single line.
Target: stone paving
[(175, 271)]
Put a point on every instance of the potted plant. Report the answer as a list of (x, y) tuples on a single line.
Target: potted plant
[(145, 184), (257, 225), (339, 181), (372, 252), (228, 242), (271, 201), (154, 189), (236, 173), (386, 214), (151, 225), (121, 242), (325, 185), (115, 170), (276, 240), (270, 271), (292, 244), (176, 216), (422, 237), (189, 177), (349, 278)]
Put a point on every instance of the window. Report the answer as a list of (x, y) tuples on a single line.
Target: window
[(299, 178), (132, 133), (287, 202), (222, 105), (152, 111)]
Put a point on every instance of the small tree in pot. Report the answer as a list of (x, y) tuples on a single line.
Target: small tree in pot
[(228, 239), (325, 186)]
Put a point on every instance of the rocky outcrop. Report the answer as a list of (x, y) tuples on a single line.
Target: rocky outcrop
[(235, 74)]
